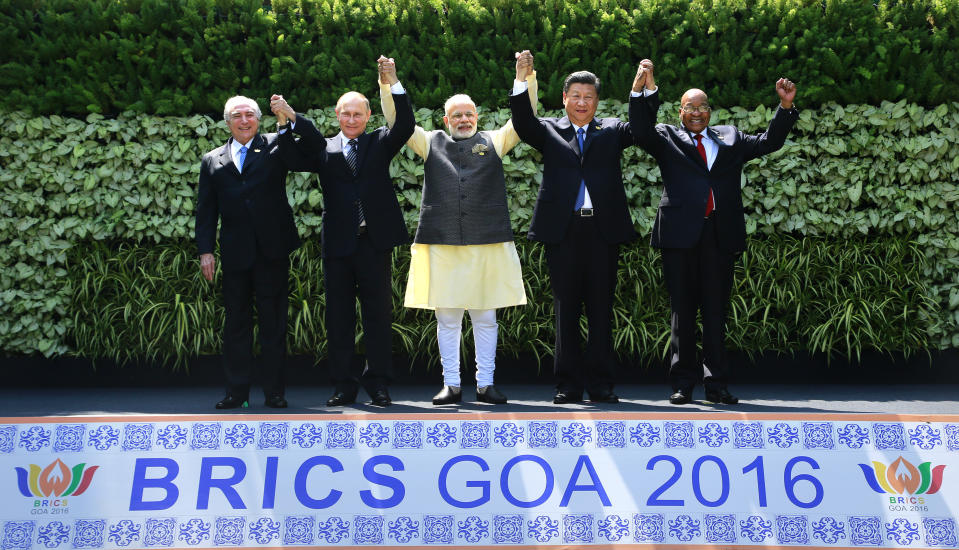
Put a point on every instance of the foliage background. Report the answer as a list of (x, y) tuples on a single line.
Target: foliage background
[(106, 110)]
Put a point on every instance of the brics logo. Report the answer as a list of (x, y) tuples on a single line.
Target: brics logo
[(903, 477), (56, 480)]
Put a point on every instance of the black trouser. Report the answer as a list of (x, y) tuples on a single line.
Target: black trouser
[(367, 274), (582, 270), (265, 283), (698, 279)]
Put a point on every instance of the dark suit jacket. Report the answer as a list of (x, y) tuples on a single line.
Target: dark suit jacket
[(252, 207), (686, 181), (563, 170), (372, 185)]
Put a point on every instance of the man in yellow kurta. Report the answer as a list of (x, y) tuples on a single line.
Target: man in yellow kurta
[(463, 256)]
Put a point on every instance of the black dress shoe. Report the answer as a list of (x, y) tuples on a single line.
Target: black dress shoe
[(232, 402), (276, 402), (722, 396), (381, 398), (449, 395), (681, 396), (567, 396), (489, 394), (341, 398), (604, 397)]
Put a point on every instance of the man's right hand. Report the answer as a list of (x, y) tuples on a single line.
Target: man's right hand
[(644, 76), (207, 266), (524, 65), (281, 109), (387, 70)]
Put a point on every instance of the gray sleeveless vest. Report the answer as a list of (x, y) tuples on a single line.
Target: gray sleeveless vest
[(464, 193)]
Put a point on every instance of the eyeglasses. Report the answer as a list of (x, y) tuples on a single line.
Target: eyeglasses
[(702, 109)]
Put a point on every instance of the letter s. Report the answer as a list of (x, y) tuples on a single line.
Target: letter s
[(369, 472)]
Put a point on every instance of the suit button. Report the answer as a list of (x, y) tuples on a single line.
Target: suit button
[(462, 196)]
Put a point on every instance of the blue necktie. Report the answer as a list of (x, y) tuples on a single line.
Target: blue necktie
[(581, 197), (243, 151)]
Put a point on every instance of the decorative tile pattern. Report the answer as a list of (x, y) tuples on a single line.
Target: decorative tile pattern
[(340, 435), (678, 435), (171, 436), (441, 435), (508, 434), (194, 531), (577, 434), (684, 528), (902, 532), (69, 437), (817, 435), (792, 530), (613, 528), (952, 437), (124, 532), (205, 436), (404, 529), (889, 436), (939, 532), (264, 531), (473, 529), (159, 532), (924, 437), (368, 529), (611, 434), (88, 533), (829, 530), (782, 435), (374, 434), (137, 437), (228, 531), (542, 528), (755, 528), (721, 528), (8, 436), (333, 530), (853, 436), (407, 435), (649, 528), (474, 435), (713, 434), (298, 530), (578, 527), (438, 529), (53, 534), (865, 531), (542, 435), (748, 435), (307, 434), (17, 535), (273, 435), (35, 438), (508, 528), (238, 436), (645, 434)]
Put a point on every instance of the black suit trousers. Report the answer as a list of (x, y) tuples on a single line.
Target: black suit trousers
[(582, 271), (265, 284), (366, 274), (699, 279)]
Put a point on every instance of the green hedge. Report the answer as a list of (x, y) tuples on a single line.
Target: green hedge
[(853, 174), (180, 57)]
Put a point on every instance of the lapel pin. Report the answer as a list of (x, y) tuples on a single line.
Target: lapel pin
[(256, 150)]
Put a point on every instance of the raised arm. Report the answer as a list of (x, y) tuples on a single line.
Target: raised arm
[(643, 109), (524, 120), (306, 154), (417, 140), (775, 135), (506, 137)]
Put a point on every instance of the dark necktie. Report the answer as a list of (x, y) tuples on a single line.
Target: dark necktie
[(581, 196), (710, 203), (351, 160)]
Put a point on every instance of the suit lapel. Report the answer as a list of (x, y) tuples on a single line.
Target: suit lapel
[(722, 147), (568, 132), (334, 150), (226, 158), (363, 142), (591, 131), (688, 147), (254, 153)]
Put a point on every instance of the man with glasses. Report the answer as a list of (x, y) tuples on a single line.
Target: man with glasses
[(243, 187), (700, 227)]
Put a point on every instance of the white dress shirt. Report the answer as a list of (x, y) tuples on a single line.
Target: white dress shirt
[(235, 152)]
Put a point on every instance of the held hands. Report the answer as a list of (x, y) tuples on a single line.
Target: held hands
[(644, 76), (284, 113), (787, 92), (524, 65), (207, 266), (387, 68)]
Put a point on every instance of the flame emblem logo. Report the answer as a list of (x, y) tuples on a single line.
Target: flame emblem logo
[(56, 480), (903, 477)]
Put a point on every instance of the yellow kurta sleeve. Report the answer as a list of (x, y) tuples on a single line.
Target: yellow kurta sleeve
[(506, 137), (419, 141)]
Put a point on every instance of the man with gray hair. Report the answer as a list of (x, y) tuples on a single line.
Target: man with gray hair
[(463, 256), (243, 188)]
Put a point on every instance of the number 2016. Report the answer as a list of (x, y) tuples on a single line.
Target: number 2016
[(789, 481)]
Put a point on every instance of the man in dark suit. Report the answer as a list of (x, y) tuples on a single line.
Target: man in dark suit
[(581, 216), (243, 186), (700, 226), (362, 222)]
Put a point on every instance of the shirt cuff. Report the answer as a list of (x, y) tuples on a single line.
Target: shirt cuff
[(397, 89), (644, 92), (519, 86)]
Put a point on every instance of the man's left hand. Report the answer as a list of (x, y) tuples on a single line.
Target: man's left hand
[(387, 68), (281, 109), (787, 92)]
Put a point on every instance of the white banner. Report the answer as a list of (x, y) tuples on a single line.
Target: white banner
[(474, 480)]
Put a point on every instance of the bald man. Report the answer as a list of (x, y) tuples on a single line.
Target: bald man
[(700, 227), (362, 223)]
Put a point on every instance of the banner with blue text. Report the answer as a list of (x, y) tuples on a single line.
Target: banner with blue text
[(535, 480)]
